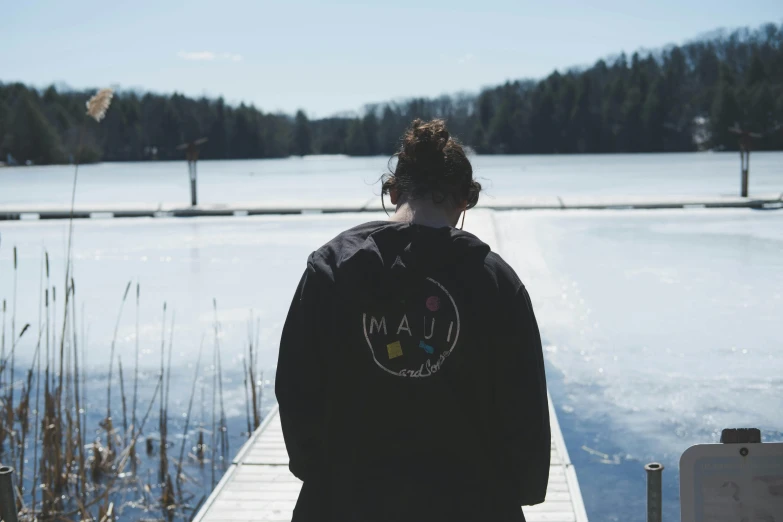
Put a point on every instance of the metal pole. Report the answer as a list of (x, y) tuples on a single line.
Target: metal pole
[(742, 171), (654, 495), (746, 174), (7, 499), (745, 157), (192, 172)]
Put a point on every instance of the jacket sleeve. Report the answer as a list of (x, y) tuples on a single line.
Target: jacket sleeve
[(300, 379), (521, 404)]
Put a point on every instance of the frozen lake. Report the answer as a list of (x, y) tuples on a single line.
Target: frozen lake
[(660, 327), (342, 179)]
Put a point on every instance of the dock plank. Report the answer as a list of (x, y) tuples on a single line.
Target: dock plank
[(23, 211), (259, 487)]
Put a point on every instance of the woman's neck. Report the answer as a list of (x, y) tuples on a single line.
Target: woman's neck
[(423, 212)]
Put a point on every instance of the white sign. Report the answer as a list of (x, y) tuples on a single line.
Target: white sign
[(732, 483)]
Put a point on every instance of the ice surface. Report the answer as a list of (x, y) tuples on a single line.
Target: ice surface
[(251, 263), (660, 327), (355, 180), (672, 318)]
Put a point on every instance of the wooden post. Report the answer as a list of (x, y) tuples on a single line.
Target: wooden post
[(7, 498), (191, 154), (745, 163), (654, 492), (744, 167), (193, 179), (745, 143)]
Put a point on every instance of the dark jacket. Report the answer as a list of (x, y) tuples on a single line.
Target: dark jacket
[(411, 381)]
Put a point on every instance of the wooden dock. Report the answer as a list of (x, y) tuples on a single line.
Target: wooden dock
[(252, 208), (258, 486)]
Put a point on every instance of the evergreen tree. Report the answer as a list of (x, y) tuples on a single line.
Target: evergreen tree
[(302, 136), (3, 128), (582, 125), (653, 119), (29, 136), (389, 131), (632, 121), (725, 114), (218, 134), (643, 103), (370, 131), (756, 71), (761, 114), (356, 141)]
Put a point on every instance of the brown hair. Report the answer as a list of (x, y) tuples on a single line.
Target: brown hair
[(432, 163)]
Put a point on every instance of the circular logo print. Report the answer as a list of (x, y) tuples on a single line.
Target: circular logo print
[(414, 335)]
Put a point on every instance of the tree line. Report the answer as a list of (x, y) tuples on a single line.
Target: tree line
[(680, 98)]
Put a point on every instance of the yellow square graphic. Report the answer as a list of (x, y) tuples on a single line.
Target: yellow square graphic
[(394, 349)]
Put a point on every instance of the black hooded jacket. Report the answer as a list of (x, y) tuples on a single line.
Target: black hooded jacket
[(411, 381)]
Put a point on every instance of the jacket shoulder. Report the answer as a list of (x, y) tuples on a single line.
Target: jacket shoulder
[(501, 272), (329, 256)]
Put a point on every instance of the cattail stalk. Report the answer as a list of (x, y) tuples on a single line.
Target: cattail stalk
[(135, 377), (187, 420), (23, 413), (36, 357), (259, 374), (214, 399), (162, 414), (54, 337), (223, 432), (2, 372), (69, 435), (122, 393), (79, 426), (164, 424), (96, 109), (252, 373), (37, 364), (111, 353), (247, 378), (13, 363), (83, 469), (138, 432)]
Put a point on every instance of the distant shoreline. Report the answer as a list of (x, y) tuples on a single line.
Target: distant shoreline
[(327, 157)]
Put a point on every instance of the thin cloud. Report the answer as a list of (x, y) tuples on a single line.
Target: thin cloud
[(197, 56), (209, 56), (467, 58), (231, 57)]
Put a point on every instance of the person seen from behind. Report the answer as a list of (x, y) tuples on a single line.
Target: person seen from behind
[(410, 377)]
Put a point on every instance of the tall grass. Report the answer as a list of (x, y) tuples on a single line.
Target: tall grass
[(69, 469), (253, 378), (77, 479), (180, 475), (135, 377)]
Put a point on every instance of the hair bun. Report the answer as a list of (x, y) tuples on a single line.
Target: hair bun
[(425, 141), (432, 164)]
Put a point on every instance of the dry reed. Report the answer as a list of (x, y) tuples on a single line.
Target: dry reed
[(135, 376), (187, 421), (111, 353), (75, 478), (67, 476)]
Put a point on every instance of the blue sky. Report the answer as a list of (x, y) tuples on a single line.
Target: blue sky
[(326, 57)]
